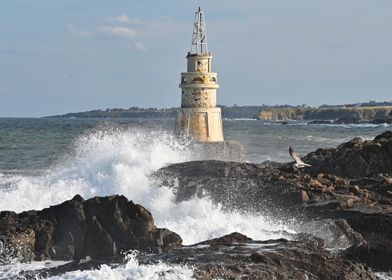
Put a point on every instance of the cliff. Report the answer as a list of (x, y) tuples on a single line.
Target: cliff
[(353, 114)]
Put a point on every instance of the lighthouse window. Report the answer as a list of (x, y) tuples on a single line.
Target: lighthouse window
[(198, 79)]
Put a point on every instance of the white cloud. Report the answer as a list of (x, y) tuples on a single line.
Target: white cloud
[(132, 30), (105, 31), (124, 19), (114, 27), (118, 32)]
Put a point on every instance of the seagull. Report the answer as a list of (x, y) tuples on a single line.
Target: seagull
[(298, 161)]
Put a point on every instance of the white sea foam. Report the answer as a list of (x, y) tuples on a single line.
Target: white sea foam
[(384, 275), (117, 161), (239, 119), (130, 270), (16, 267), (358, 125)]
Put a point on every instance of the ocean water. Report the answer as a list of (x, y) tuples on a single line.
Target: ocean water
[(46, 161)]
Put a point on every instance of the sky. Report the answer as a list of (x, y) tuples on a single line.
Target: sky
[(76, 55)]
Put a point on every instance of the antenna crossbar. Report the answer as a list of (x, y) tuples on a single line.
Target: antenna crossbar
[(199, 36)]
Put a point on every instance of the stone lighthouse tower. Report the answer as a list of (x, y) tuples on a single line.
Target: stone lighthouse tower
[(199, 118)]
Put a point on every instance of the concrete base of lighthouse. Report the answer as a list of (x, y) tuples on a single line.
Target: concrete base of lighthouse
[(200, 124), (204, 127)]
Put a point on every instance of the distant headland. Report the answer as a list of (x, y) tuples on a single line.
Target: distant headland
[(375, 112), (370, 112), (137, 112)]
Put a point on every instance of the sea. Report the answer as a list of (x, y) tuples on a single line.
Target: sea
[(45, 161)]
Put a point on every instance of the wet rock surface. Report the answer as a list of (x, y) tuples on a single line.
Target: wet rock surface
[(350, 183), (355, 159), (100, 228), (236, 256)]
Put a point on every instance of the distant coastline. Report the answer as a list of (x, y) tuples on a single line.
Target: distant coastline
[(350, 113), (137, 112), (368, 113)]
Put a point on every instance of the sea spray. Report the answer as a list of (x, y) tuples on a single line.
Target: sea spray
[(132, 270), (120, 161), (105, 161)]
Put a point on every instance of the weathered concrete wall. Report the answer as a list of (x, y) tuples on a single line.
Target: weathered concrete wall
[(199, 118), (201, 124), (198, 98), (199, 62), (198, 78)]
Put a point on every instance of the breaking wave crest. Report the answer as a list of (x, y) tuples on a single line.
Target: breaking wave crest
[(111, 161)]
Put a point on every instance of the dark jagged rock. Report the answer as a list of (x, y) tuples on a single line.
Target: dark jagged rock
[(365, 203), (227, 240), (376, 229), (236, 256), (335, 234), (355, 159), (83, 264), (100, 228)]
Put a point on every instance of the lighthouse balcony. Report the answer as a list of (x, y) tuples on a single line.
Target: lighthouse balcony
[(197, 78)]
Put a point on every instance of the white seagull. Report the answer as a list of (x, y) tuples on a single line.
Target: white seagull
[(298, 161)]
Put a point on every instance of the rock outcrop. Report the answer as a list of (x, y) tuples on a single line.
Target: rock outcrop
[(235, 256), (282, 114), (100, 228), (340, 114), (365, 203), (355, 159)]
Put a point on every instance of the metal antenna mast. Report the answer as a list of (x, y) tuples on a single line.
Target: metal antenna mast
[(199, 37)]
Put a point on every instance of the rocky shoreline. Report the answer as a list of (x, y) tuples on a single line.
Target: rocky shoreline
[(342, 207), (330, 115)]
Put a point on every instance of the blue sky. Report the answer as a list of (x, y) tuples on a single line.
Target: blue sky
[(75, 55)]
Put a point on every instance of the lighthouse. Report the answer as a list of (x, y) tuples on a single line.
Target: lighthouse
[(199, 118)]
